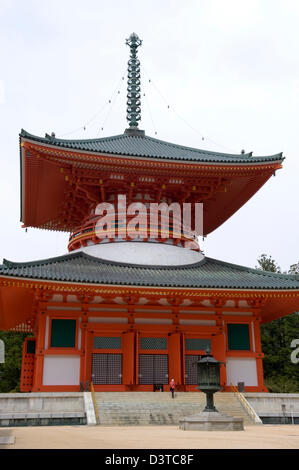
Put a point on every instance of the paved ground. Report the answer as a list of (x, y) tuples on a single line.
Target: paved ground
[(151, 437)]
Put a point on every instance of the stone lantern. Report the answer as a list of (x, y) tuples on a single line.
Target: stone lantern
[(208, 370), (210, 419)]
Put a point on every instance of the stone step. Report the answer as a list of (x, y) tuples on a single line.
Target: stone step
[(157, 408)]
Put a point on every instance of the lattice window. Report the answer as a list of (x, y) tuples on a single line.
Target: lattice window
[(153, 343), (191, 369), (107, 342), (26, 382), (197, 344), (153, 369), (107, 369)]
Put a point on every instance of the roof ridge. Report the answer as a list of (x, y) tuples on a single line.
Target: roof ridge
[(43, 261), (48, 138), (82, 254)]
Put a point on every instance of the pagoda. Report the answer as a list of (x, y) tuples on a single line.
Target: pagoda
[(130, 313)]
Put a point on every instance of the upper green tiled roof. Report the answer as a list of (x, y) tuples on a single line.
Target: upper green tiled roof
[(208, 273), (140, 145)]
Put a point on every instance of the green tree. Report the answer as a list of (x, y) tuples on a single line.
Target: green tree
[(294, 269), (10, 371), (281, 375), (267, 263)]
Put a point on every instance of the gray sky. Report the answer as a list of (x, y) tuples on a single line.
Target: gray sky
[(228, 69)]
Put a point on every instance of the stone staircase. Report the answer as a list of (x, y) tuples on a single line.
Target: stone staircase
[(159, 409)]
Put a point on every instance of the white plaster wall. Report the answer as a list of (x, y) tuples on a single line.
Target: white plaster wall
[(143, 253), (243, 303), (198, 312), (148, 310), (47, 332), (244, 314), (57, 298), (79, 334), (154, 321), (252, 336), (107, 320), (197, 322), (241, 370), (61, 370)]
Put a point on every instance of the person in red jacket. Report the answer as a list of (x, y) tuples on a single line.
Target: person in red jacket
[(172, 387)]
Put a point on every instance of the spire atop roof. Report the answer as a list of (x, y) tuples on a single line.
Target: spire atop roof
[(133, 102)]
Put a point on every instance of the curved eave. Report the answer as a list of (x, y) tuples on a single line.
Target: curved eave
[(43, 187), (200, 291), (208, 273), (162, 150)]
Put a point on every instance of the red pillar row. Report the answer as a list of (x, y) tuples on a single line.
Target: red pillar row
[(130, 352)]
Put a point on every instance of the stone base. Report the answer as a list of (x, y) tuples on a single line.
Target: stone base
[(211, 421)]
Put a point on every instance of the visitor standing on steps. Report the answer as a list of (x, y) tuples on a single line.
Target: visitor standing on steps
[(172, 387)]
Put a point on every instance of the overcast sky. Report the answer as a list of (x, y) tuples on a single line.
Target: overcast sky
[(227, 69)]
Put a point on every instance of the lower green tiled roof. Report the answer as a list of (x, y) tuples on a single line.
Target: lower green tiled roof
[(208, 273)]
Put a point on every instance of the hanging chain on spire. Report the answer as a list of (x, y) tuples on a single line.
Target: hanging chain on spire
[(133, 102)]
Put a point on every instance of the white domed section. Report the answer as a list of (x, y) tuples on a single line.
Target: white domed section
[(143, 253)]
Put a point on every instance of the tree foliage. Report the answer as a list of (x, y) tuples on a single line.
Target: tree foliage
[(10, 371), (280, 374), (267, 263)]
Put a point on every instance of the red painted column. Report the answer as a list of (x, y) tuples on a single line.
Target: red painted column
[(83, 351), (174, 358), (128, 348), (218, 352), (39, 351), (183, 351), (88, 355), (219, 347), (260, 355)]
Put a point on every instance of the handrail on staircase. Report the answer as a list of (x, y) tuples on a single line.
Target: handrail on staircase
[(245, 404), (94, 400)]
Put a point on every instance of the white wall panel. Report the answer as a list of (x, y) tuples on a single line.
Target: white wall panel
[(61, 370), (241, 370)]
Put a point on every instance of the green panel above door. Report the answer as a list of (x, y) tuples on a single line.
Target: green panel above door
[(63, 333), (238, 337)]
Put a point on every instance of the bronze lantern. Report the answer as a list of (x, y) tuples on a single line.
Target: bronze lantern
[(208, 370)]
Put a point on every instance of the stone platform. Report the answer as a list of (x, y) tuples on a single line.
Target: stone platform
[(211, 421)]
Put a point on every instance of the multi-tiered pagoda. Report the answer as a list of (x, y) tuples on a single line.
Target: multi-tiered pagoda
[(131, 313)]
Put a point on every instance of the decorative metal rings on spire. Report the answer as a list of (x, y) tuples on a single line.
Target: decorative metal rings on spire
[(133, 102)]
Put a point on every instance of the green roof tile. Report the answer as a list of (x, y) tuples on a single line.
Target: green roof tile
[(140, 145), (208, 273)]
